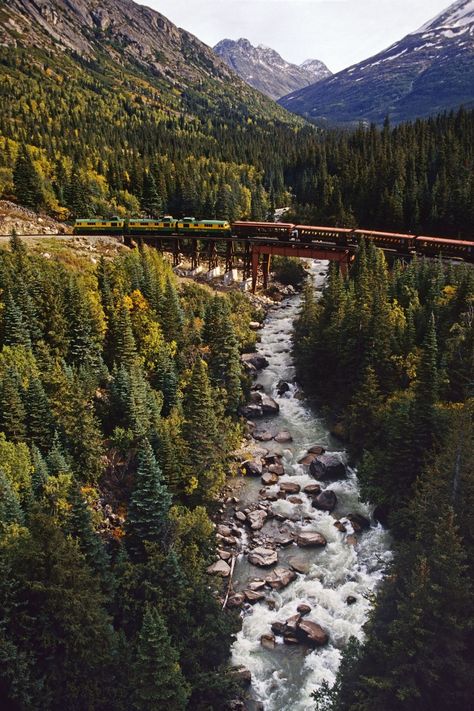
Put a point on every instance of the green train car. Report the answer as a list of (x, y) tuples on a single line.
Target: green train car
[(167, 225)]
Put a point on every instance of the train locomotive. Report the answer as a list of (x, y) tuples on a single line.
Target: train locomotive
[(286, 232)]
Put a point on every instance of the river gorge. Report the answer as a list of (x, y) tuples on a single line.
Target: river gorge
[(332, 584)]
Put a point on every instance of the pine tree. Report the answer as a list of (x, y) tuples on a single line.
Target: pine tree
[(200, 431), (79, 525), (26, 181), (39, 420), (56, 459), (124, 342), (10, 509), (158, 680), (15, 329), (151, 201), (40, 472), (12, 411), (171, 314), (149, 504)]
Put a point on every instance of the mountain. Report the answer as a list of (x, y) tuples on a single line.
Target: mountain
[(265, 70), (106, 92), (428, 71)]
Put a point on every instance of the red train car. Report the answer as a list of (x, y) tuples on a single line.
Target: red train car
[(388, 240), (456, 248), (282, 231), (310, 233)]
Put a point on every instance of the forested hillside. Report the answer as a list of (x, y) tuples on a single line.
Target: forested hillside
[(391, 356), (117, 396)]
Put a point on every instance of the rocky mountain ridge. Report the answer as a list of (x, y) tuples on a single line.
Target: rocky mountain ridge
[(266, 70), (429, 71)]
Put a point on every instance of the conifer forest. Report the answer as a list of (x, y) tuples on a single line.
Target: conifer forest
[(173, 536)]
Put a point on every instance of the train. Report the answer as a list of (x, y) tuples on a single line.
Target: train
[(403, 244)]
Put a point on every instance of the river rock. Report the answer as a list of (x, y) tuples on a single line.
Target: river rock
[(251, 468), (292, 623), (269, 478), (327, 467), (300, 564), (307, 539), (280, 578), (282, 387), (381, 514), (359, 523), (272, 458), (269, 405), (312, 633), (307, 459), (312, 489), (224, 530), (351, 600), (242, 675), (289, 487), (253, 596), (236, 600), (325, 501), (340, 526), (316, 449), (250, 411), (277, 469), (224, 555), (256, 519), (255, 325), (303, 609), (259, 362), (267, 641), (278, 628), (220, 568), (268, 495), (284, 539), (240, 516), (283, 437), (263, 557), (256, 584), (295, 500), (351, 540), (262, 435), (290, 638)]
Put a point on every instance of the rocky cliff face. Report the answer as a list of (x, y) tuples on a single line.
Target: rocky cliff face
[(266, 70), (428, 71), (127, 32)]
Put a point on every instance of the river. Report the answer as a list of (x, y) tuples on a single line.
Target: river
[(284, 678)]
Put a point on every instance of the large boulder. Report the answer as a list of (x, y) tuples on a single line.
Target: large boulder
[(283, 437), (267, 641), (311, 633), (262, 435), (289, 487), (280, 578), (270, 478), (251, 411), (269, 405), (259, 362), (263, 557), (220, 568), (312, 489), (256, 519), (359, 522), (277, 469), (300, 564), (310, 539), (241, 675), (327, 467), (325, 501), (253, 596)]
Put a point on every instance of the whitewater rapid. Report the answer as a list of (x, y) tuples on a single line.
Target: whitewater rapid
[(284, 678)]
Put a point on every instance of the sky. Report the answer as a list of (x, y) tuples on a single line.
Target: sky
[(339, 32)]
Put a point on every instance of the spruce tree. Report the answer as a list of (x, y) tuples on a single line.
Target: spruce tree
[(40, 472), (39, 420), (79, 525), (10, 508), (15, 329), (12, 410), (149, 504), (151, 201), (171, 314), (26, 181), (158, 680)]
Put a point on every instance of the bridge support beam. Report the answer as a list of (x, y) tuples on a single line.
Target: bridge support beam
[(340, 255)]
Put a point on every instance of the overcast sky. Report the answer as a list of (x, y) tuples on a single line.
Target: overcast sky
[(340, 32)]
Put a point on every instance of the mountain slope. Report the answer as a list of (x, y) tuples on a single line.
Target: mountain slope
[(265, 70), (428, 71), (105, 92)]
